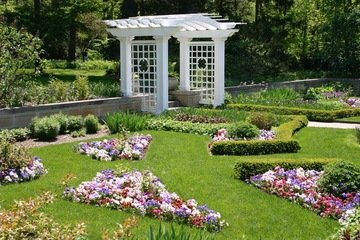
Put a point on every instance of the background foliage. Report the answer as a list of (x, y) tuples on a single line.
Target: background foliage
[(279, 37)]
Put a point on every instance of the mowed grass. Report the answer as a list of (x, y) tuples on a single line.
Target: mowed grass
[(184, 165)]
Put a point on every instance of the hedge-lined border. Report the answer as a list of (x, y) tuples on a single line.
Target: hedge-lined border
[(245, 169), (185, 126), (311, 114), (282, 144)]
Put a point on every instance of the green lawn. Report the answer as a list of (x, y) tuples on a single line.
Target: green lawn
[(184, 165), (349, 120)]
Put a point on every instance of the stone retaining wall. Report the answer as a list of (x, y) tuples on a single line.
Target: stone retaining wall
[(298, 85), (21, 116)]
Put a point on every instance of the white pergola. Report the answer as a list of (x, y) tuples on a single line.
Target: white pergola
[(144, 63)]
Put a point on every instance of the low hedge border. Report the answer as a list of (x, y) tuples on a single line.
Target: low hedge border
[(185, 127), (282, 144), (288, 129), (311, 114), (244, 169), (254, 147)]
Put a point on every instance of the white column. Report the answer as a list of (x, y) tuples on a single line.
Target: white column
[(162, 99), (184, 64), (125, 65), (219, 85)]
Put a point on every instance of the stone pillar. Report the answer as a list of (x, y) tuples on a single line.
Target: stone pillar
[(219, 75), (125, 65), (184, 64), (162, 91)]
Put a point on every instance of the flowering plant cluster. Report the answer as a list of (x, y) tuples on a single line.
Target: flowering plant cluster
[(145, 194), (132, 148), (222, 135), (300, 186), (353, 102), (32, 170)]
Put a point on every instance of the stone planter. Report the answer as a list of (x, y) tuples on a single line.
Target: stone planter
[(173, 83)]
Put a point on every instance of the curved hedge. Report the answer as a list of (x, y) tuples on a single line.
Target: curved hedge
[(282, 144), (244, 169), (311, 114)]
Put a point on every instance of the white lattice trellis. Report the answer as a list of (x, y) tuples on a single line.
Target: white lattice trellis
[(144, 72), (202, 70)]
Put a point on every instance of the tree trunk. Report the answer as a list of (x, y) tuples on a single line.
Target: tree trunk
[(37, 10), (72, 43)]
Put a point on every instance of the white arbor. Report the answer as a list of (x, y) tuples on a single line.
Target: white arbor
[(144, 63)]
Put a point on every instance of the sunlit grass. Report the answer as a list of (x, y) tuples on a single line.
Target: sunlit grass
[(182, 162)]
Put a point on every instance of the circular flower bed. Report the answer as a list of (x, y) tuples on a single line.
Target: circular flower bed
[(32, 170), (300, 186), (145, 194), (132, 148)]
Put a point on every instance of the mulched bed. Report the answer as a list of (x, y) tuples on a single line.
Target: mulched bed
[(30, 143)]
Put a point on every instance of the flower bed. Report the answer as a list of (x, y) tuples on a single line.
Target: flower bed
[(300, 186), (222, 135), (132, 148), (32, 170), (145, 194)]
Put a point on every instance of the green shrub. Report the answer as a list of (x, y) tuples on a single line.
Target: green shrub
[(81, 88), (63, 121), (263, 120), (78, 133), (243, 130), (13, 156), (101, 89), (340, 177), (244, 169), (185, 127), (46, 128), (25, 221), (287, 130), (75, 123), (118, 121), (254, 147), (58, 90), (311, 114), (91, 123), (14, 135)]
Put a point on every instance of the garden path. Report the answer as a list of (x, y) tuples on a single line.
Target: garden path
[(333, 125)]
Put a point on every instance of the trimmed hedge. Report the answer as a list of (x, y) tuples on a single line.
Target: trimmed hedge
[(254, 147), (244, 169), (311, 114), (185, 127), (287, 130), (282, 143)]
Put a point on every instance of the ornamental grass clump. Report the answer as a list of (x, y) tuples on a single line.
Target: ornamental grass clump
[(24, 221), (143, 193), (340, 177)]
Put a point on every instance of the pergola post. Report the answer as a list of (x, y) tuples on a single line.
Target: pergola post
[(184, 64), (219, 61), (162, 73), (125, 66)]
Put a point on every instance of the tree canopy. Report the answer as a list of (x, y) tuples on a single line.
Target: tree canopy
[(280, 35)]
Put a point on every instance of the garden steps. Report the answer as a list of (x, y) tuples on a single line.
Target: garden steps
[(172, 104)]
